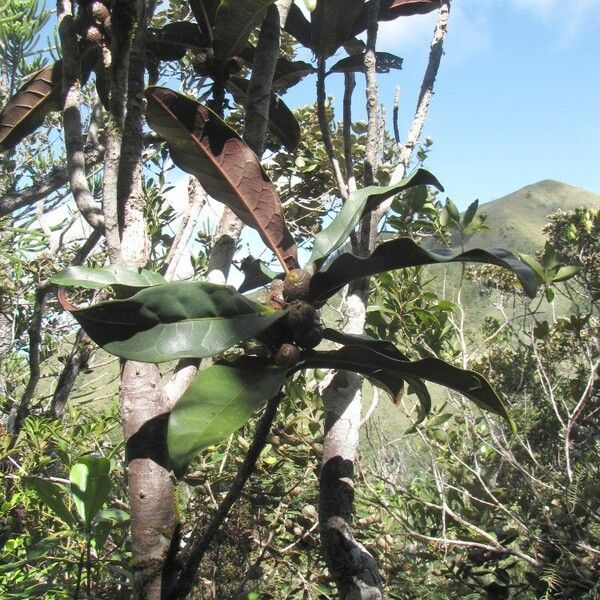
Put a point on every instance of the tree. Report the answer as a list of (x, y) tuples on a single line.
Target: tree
[(146, 320)]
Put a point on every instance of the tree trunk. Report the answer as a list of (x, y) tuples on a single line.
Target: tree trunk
[(144, 407), (350, 564)]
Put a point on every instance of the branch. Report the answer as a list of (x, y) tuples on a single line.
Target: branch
[(196, 200), (349, 85), (325, 133), (200, 542), (80, 354), (56, 179), (71, 99), (426, 93)]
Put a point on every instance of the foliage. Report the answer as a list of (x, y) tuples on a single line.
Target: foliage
[(63, 473)]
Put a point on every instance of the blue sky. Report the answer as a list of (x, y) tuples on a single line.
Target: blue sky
[(517, 97)]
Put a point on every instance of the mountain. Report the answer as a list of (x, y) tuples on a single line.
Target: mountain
[(517, 220)]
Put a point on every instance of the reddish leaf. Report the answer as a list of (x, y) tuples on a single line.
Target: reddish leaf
[(28, 108), (203, 145)]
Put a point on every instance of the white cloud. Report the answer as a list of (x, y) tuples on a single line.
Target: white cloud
[(569, 19)]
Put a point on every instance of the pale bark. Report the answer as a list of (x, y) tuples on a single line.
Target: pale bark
[(154, 519), (144, 407), (197, 198), (71, 100), (426, 93), (221, 254), (350, 564)]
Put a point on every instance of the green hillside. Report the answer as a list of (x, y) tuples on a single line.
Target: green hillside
[(517, 220)]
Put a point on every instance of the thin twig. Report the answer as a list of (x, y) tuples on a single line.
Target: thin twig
[(325, 133)]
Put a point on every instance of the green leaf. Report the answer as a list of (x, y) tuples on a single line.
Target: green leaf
[(388, 380), (564, 273), (218, 402), (331, 23), (97, 278), (28, 108), (90, 485), (256, 274), (203, 145), (360, 202), (282, 122), (404, 252), (51, 495), (287, 72), (470, 213), (549, 257), (452, 211), (384, 365), (176, 320), (234, 22), (356, 63), (534, 265), (204, 12)]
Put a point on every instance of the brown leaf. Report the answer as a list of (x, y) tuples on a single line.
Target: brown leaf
[(203, 145), (28, 108)]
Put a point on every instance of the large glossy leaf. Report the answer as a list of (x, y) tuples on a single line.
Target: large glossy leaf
[(331, 23), (175, 320), (368, 198), (28, 108), (404, 252), (97, 278), (282, 122), (387, 369), (173, 40), (90, 485), (203, 145), (392, 9), (234, 22), (356, 63), (416, 384), (51, 494), (218, 402)]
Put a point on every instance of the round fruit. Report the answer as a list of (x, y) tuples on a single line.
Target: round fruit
[(296, 285), (287, 356)]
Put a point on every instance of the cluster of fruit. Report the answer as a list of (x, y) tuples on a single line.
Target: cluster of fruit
[(93, 21), (302, 328)]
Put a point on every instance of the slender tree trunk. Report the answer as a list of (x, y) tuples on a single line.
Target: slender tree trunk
[(144, 406), (80, 354), (350, 564)]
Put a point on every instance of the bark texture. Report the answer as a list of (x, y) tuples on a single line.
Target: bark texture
[(350, 564), (80, 354), (150, 481)]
